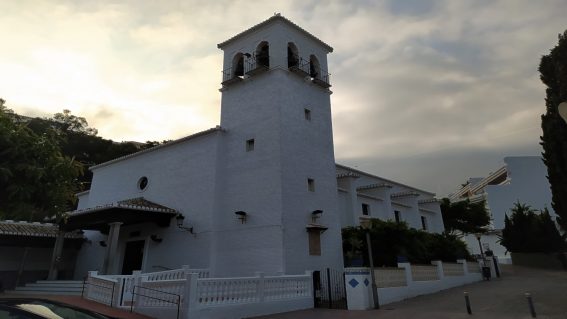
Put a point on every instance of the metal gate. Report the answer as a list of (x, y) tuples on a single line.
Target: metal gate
[(329, 289)]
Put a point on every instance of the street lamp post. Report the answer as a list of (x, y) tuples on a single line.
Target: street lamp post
[(366, 225), (480, 245)]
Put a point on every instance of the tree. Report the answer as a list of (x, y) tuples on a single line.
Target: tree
[(464, 216), (529, 231), (553, 70), (36, 179), (391, 240)]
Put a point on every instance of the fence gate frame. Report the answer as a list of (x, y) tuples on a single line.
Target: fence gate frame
[(329, 289)]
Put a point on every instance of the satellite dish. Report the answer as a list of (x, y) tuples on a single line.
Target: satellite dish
[(563, 110)]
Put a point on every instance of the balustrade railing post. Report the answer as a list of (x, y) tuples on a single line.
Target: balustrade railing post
[(261, 284), (189, 298), (439, 265), (89, 276), (464, 265)]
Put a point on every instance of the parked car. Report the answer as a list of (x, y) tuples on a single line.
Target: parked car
[(33, 308)]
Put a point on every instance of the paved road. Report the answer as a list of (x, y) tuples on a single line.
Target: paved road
[(500, 298)]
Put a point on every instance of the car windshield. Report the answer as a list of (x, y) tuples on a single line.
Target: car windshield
[(57, 311)]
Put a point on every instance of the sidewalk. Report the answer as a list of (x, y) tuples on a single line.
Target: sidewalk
[(498, 298)]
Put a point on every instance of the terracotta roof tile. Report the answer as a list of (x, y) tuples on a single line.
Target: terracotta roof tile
[(8, 227)]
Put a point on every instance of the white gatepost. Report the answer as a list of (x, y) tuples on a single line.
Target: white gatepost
[(311, 291), (89, 275), (261, 285), (359, 288), (407, 269), (465, 266), (186, 269), (439, 265), (137, 283), (189, 304)]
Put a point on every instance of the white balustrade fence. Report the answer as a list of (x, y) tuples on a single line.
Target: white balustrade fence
[(453, 269), (424, 273), (187, 292), (100, 289), (390, 277), (406, 281)]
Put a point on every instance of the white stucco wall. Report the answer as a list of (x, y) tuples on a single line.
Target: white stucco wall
[(528, 184), (382, 203)]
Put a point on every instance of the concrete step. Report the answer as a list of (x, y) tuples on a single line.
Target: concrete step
[(26, 288), (51, 287), (59, 282), (36, 292), (70, 285)]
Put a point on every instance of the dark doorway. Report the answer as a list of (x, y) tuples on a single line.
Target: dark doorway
[(133, 256)]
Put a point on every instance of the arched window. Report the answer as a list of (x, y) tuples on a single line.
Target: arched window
[(238, 65), (292, 55), (263, 54), (314, 67)]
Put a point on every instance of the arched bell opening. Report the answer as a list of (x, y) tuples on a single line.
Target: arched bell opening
[(314, 67), (292, 55), (238, 65), (263, 54)]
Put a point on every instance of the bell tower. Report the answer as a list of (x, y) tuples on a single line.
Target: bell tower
[(277, 192)]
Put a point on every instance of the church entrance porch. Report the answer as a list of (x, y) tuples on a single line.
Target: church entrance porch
[(110, 219)]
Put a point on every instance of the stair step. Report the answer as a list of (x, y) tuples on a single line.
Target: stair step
[(59, 282), (34, 292), (48, 289), (78, 285)]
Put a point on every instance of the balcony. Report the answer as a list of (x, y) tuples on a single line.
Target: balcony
[(305, 69), (256, 66), (322, 79), (229, 77)]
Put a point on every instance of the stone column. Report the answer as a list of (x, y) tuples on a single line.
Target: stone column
[(56, 256), (111, 247)]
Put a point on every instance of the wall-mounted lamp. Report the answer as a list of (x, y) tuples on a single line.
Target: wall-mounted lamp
[(316, 214), (102, 243), (180, 219), (241, 216), (156, 238)]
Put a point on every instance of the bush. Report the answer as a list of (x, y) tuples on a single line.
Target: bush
[(529, 231), (391, 241)]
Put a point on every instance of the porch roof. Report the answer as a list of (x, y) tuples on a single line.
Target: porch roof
[(28, 234), (128, 212)]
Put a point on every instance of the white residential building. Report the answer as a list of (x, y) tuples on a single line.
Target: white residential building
[(522, 179), (260, 192)]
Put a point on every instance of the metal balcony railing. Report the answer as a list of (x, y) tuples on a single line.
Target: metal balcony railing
[(229, 77), (256, 65)]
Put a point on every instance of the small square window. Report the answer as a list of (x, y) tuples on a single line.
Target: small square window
[(311, 184), (397, 216), (365, 209), (423, 222), (250, 145), (307, 114)]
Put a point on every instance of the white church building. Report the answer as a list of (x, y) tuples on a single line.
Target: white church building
[(259, 192)]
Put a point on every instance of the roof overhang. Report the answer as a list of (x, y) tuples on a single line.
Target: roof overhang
[(128, 212)]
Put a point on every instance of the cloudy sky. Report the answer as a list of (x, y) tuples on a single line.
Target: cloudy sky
[(427, 93)]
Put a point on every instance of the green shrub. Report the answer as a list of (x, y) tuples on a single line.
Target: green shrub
[(529, 231), (392, 241)]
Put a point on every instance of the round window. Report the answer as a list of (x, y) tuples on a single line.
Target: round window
[(143, 183)]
